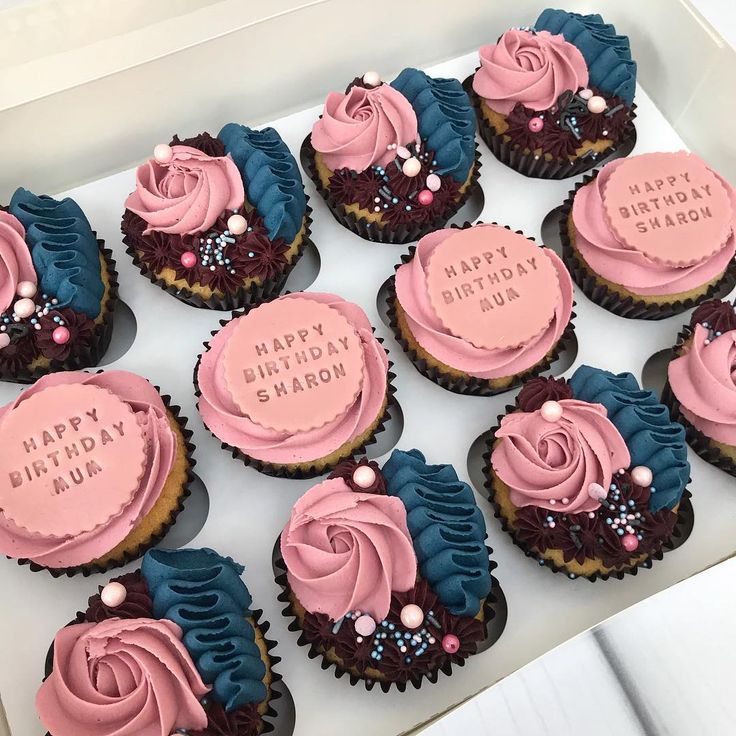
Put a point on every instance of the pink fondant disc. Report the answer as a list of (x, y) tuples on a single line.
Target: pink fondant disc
[(72, 458), (293, 365), (492, 287), (668, 206)]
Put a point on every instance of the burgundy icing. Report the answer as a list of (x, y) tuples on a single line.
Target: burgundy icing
[(346, 469), (137, 604), (537, 390), (720, 316), (202, 142)]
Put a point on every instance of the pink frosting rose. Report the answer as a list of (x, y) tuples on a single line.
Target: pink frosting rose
[(429, 332), (357, 128), (704, 382), (15, 259), (121, 677), (531, 68), (542, 461), (347, 551), (187, 194), (161, 446), (620, 264)]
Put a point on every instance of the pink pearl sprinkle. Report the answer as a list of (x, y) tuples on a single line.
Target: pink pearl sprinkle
[(163, 153), (425, 197), (412, 616), (61, 335), (586, 93), (237, 224), (403, 152), (433, 182), (450, 643), (364, 476), (596, 491), (551, 411), (24, 308), (4, 340), (365, 626), (642, 476), (411, 167), (596, 104), (629, 542), (114, 594), (188, 259), (535, 125), (26, 289)]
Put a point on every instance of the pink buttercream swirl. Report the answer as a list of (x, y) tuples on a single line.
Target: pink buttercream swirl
[(161, 446), (615, 262), (357, 128), (704, 382), (544, 462), (531, 68), (187, 194), (429, 332), (346, 551), (121, 677), (228, 423), (15, 259)]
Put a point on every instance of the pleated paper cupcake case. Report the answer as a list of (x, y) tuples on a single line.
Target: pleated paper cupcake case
[(604, 297), (537, 166), (472, 386), (269, 718), (244, 296), (398, 234), (89, 569), (495, 613), (278, 471), (682, 529), (91, 355)]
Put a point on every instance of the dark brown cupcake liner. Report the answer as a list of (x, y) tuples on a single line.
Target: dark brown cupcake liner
[(495, 612), (469, 386), (243, 296), (604, 297), (89, 569), (269, 718), (368, 230), (682, 529), (280, 470), (91, 354), (701, 443), (538, 167)]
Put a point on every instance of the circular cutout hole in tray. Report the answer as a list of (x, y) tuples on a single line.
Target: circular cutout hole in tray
[(190, 521)]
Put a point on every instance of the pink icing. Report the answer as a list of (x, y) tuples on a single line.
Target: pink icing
[(60, 473), (357, 128), (704, 382), (436, 339), (480, 282), (531, 68), (346, 551), (227, 422), (160, 444), (543, 461), (188, 193), (15, 259), (616, 262), (121, 677), (679, 193), (293, 365)]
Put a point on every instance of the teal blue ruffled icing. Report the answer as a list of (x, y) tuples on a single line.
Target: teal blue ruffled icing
[(271, 177), (63, 248), (445, 117), (607, 54), (205, 595), (446, 527), (653, 439)]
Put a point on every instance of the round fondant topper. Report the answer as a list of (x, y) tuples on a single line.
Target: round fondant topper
[(72, 459), (668, 206), (293, 364), (492, 287)]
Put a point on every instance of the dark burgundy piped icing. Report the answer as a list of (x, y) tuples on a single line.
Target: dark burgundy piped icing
[(203, 142), (538, 390), (20, 352), (81, 333), (358, 82), (719, 316), (346, 469), (137, 603), (244, 721)]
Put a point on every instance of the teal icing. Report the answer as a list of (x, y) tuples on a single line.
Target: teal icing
[(607, 54), (271, 177), (445, 117), (204, 594), (446, 527), (653, 439), (63, 248)]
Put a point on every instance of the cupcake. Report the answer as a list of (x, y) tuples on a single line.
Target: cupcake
[(701, 383), (63, 439), (171, 648), (58, 288), (452, 301), (394, 161), (218, 222), (588, 476), (386, 572), (294, 385), (651, 236), (554, 100)]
